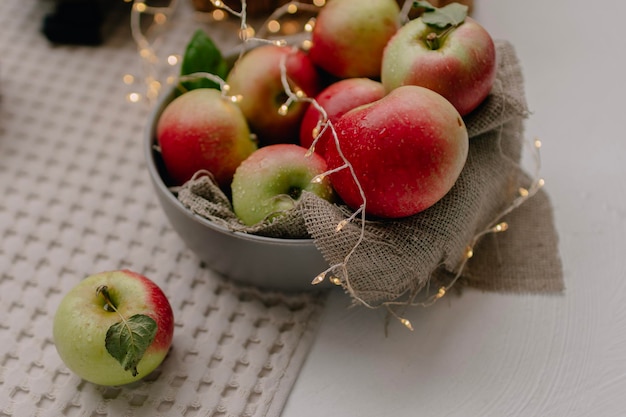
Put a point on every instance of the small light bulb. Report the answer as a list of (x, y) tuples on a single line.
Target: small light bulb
[(501, 227), (407, 323), (335, 280), (218, 15), (308, 26), (341, 225), (172, 60), (319, 278), (273, 26), (440, 293), (282, 110), (160, 18), (318, 179)]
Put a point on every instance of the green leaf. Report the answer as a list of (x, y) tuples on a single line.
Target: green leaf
[(424, 5), (128, 340), (452, 14), (202, 55)]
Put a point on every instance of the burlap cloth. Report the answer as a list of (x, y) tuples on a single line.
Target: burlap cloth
[(398, 259)]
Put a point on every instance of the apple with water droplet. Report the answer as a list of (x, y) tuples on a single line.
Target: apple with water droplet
[(335, 100), (113, 327), (272, 180), (407, 151), (457, 60), (257, 80), (203, 130)]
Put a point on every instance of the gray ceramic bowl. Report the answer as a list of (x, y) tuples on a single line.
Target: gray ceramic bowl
[(280, 264)]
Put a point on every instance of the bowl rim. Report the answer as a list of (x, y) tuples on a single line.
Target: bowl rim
[(149, 151)]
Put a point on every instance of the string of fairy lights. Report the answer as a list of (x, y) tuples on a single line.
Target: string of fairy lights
[(274, 24)]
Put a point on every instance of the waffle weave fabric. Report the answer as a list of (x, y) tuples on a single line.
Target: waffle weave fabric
[(77, 199)]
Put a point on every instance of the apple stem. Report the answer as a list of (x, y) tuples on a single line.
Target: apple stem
[(103, 290), (433, 39)]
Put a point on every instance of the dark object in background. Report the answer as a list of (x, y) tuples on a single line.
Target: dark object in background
[(75, 22)]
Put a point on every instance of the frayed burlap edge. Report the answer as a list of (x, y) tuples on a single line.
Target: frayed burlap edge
[(384, 262)]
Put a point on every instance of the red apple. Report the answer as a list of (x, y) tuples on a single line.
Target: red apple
[(272, 180), (256, 78), (113, 327), (336, 99), (201, 130), (407, 151), (349, 36), (459, 63)]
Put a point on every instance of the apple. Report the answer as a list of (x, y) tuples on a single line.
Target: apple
[(94, 322), (349, 36), (202, 130), (257, 79), (272, 179), (458, 62), (406, 149), (336, 99)]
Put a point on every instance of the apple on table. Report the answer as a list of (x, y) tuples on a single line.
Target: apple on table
[(272, 180), (407, 150), (113, 327), (445, 51)]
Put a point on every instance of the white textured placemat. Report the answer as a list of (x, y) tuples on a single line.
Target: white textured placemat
[(76, 200)]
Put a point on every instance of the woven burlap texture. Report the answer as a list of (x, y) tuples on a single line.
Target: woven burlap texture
[(400, 258)]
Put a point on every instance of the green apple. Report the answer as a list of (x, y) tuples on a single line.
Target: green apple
[(202, 130), (272, 179), (113, 328)]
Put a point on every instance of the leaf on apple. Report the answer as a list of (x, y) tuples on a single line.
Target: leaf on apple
[(452, 14), (202, 55), (129, 339)]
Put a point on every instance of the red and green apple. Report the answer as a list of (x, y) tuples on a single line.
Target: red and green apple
[(203, 130), (457, 59), (113, 327), (349, 36), (335, 100), (273, 179), (257, 79), (406, 149)]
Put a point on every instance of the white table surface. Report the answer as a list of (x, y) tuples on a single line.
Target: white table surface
[(486, 354)]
